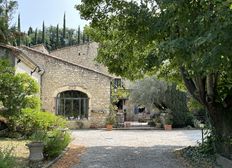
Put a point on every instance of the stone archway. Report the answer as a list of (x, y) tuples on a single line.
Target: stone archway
[(76, 99)]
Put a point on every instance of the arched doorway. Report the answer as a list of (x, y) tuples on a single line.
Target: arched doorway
[(72, 104)]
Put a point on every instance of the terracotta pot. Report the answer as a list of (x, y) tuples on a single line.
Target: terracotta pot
[(167, 127), (109, 127)]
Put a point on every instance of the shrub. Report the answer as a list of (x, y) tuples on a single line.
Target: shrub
[(7, 159), (15, 90), (31, 120), (189, 119), (111, 119), (55, 142), (152, 123)]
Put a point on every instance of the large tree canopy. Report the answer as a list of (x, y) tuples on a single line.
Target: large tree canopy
[(184, 39)]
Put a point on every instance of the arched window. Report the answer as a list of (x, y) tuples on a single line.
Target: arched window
[(72, 104)]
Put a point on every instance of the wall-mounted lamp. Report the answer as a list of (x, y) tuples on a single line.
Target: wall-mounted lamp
[(18, 61)]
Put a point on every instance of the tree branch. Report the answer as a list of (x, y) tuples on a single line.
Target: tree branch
[(200, 88), (211, 81), (189, 83)]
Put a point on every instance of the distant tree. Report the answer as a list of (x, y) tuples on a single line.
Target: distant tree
[(57, 36), (19, 32), (64, 31), (79, 35), (71, 36), (7, 8), (35, 37), (43, 33), (83, 38), (87, 39), (151, 92), (30, 31), (52, 37)]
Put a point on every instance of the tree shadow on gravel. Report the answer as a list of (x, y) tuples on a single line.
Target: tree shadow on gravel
[(157, 156)]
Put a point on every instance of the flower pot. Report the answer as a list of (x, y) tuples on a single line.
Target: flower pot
[(36, 151), (167, 127), (109, 127)]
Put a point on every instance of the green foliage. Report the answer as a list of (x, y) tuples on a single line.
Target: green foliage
[(18, 40), (152, 93), (147, 38), (111, 118), (7, 159), (64, 31), (7, 33), (168, 119), (197, 158), (43, 33), (118, 93), (31, 120), (186, 41), (16, 91), (56, 142), (54, 37)]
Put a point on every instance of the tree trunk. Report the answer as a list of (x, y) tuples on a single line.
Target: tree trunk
[(204, 90), (221, 120)]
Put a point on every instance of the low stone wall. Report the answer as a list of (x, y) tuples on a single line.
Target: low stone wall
[(97, 119)]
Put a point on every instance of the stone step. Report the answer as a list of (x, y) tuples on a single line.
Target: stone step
[(137, 128)]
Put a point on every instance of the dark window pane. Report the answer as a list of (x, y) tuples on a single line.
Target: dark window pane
[(72, 104)]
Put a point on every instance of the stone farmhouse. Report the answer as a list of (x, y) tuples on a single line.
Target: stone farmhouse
[(71, 82)]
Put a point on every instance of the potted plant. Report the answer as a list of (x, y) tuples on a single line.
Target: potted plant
[(110, 121), (158, 122), (36, 146), (168, 121)]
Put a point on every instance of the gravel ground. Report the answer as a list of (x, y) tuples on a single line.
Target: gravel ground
[(133, 148)]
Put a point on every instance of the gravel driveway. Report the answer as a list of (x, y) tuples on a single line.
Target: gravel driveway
[(133, 148)]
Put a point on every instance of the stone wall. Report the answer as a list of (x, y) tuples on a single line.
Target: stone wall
[(61, 76), (81, 54)]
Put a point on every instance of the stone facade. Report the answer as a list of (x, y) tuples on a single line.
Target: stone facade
[(63, 74), (73, 69)]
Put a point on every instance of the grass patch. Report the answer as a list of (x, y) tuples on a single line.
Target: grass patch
[(19, 150)]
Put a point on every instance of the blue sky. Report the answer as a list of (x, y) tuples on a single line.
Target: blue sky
[(34, 12)]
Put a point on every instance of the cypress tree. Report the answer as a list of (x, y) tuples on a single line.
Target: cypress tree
[(64, 31), (87, 39), (79, 35), (19, 32), (30, 31), (35, 40), (57, 36), (64, 27), (43, 34), (83, 37)]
